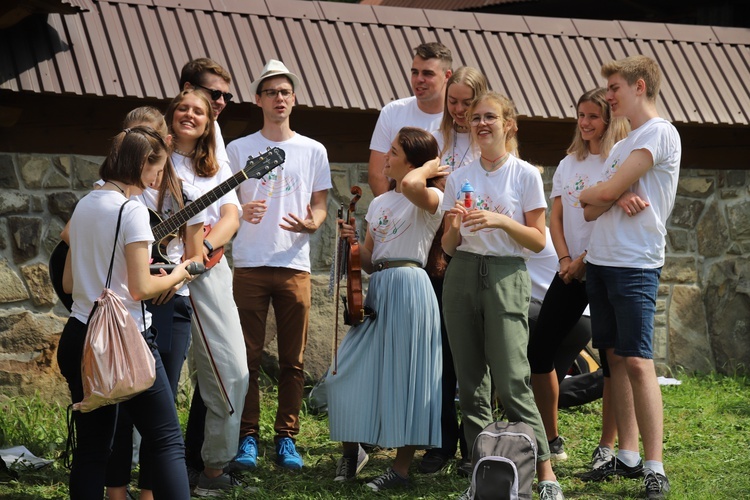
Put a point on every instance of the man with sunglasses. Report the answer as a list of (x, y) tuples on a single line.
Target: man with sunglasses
[(210, 78), (272, 257)]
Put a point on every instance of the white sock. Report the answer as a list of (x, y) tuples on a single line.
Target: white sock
[(655, 466), (629, 458)]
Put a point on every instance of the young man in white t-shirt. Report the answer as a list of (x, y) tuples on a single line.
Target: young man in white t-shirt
[(430, 71), (625, 257), (272, 257)]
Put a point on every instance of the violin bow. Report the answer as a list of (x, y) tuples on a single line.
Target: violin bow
[(337, 259)]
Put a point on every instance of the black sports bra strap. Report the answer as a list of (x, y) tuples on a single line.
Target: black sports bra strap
[(114, 247)]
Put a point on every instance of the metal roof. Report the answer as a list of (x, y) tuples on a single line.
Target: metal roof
[(440, 4), (352, 56)]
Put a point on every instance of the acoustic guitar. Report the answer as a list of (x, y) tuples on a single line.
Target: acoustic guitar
[(165, 230)]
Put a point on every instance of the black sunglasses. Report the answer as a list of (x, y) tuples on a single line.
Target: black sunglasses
[(216, 94)]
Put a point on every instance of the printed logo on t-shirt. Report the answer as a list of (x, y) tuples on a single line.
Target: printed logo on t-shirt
[(485, 202), (572, 190), (386, 228), (610, 170), (275, 186)]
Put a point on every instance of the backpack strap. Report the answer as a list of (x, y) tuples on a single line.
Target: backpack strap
[(114, 247)]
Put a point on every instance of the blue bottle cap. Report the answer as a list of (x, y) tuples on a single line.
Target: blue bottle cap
[(467, 187)]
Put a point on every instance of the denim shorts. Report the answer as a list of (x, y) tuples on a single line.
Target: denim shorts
[(623, 305)]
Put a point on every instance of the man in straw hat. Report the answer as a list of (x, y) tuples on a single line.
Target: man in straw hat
[(272, 257)]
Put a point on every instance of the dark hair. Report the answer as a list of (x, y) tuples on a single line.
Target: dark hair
[(204, 156), (194, 71), (420, 147), (435, 50), (130, 151)]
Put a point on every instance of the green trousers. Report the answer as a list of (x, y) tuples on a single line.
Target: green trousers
[(486, 303)]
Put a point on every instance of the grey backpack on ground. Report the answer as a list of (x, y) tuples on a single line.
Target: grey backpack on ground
[(504, 457)]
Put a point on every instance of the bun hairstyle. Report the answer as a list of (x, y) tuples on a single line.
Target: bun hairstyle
[(130, 151)]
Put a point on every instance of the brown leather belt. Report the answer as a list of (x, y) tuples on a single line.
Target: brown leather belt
[(388, 264)]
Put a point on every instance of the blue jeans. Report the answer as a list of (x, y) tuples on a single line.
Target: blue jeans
[(623, 306), (152, 411)]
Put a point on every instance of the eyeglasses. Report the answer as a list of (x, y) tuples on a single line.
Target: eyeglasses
[(216, 94), (272, 93), (488, 119)]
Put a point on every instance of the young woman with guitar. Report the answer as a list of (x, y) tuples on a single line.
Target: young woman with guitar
[(386, 390), (218, 344), (135, 161)]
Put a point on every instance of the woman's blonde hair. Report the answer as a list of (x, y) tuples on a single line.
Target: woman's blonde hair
[(204, 156), (507, 116), (617, 128), (477, 82)]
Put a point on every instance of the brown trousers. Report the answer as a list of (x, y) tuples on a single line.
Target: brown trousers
[(290, 292)]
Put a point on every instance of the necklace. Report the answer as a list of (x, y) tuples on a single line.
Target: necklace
[(494, 164), (460, 163), (118, 187), (184, 153)]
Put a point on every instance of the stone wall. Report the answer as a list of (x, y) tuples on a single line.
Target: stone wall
[(703, 304)]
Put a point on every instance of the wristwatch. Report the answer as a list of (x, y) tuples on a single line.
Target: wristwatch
[(208, 245)]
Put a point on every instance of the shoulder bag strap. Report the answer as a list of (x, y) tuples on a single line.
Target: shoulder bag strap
[(114, 247)]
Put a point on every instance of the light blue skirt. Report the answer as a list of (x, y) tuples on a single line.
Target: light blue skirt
[(387, 390)]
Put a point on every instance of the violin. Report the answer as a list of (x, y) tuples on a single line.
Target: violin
[(347, 262), (354, 312)]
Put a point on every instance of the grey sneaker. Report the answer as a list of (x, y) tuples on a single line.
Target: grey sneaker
[(657, 485), (602, 456), (347, 468), (218, 486), (388, 481), (615, 467), (550, 490), (557, 450)]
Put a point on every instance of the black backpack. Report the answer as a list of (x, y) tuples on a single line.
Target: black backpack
[(504, 457)]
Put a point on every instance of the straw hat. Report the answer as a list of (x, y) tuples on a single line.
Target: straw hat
[(271, 69)]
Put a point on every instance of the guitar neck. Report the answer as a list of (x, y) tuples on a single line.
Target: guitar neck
[(251, 170)]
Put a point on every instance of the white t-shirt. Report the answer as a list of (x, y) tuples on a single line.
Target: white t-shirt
[(398, 114), (401, 230), (460, 151), (286, 189), (638, 242), (92, 234), (184, 168), (542, 267), (572, 177), (221, 150), (513, 189)]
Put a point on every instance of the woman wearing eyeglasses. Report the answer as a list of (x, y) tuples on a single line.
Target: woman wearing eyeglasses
[(487, 287)]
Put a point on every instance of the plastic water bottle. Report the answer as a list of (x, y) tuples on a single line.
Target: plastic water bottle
[(466, 196)]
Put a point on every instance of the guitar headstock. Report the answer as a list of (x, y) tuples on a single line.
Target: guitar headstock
[(258, 166)]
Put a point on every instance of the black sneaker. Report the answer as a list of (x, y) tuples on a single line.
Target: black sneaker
[(432, 462), (614, 467), (347, 468), (465, 468), (388, 481), (601, 456), (557, 450), (657, 485)]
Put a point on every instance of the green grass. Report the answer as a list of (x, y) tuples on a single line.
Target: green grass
[(707, 432)]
